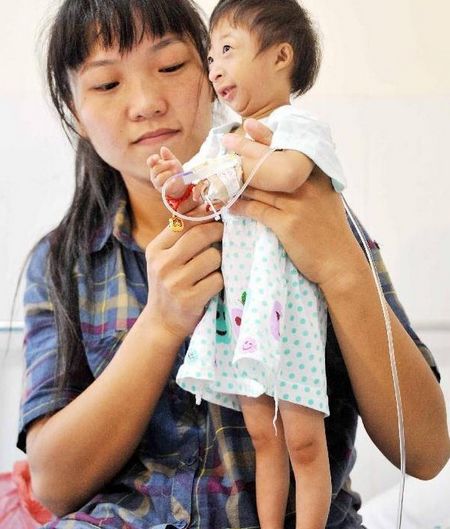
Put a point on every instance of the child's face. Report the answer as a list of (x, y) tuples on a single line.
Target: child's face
[(243, 78)]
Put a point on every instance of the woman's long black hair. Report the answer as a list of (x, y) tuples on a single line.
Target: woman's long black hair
[(78, 25)]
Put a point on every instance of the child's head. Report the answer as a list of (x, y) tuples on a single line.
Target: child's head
[(281, 26)]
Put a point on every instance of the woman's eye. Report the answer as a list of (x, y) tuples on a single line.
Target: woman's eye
[(105, 87), (226, 48), (174, 68)]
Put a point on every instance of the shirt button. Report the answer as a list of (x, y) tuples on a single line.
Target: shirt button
[(190, 461)]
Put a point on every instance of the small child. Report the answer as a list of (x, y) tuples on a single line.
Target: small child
[(260, 347)]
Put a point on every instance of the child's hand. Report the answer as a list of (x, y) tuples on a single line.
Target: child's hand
[(162, 167), (199, 189)]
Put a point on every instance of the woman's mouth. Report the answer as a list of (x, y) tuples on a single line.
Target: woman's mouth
[(155, 136)]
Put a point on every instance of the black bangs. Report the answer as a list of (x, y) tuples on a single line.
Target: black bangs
[(79, 24), (124, 23)]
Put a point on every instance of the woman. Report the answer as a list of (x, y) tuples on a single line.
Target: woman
[(112, 295)]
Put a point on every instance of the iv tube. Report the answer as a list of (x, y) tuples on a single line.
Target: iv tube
[(383, 303)]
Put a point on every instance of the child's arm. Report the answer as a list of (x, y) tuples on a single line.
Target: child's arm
[(283, 171), (162, 167)]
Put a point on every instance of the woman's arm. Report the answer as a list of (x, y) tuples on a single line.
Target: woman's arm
[(81, 447), (327, 253)]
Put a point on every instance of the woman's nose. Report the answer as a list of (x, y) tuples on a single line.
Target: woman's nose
[(147, 100)]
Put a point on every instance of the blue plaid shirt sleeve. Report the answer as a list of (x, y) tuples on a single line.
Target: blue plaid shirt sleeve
[(40, 394), (391, 296)]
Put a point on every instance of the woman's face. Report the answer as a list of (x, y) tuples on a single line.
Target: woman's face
[(129, 105)]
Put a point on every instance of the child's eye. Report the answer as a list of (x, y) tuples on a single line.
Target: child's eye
[(226, 48), (210, 60), (106, 87), (174, 68)]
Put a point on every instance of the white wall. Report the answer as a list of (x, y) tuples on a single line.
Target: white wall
[(384, 88), (36, 168)]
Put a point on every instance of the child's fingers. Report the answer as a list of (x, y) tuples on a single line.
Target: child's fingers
[(165, 166), (153, 160), (158, 177), (175, 187), (196, 194), (162, 168), (199, 189), (166, 154), (158, 180)]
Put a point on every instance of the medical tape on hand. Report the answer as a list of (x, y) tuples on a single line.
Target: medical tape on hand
[(216, 213)]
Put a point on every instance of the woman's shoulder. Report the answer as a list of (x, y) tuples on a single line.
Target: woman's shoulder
[(37, 261)]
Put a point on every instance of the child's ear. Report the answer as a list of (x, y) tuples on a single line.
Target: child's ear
[(284, 55)]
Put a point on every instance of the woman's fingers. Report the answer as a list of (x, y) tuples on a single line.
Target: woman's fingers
[(317, 184), (270, 198), (183, 274), (245, 147), (196, 240), (204, 263), (179, 279), (208, 287), (251, 148), (266, 213), (257, 131), (211, 230)]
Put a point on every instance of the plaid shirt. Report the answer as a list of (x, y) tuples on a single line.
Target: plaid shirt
[(194, 466)]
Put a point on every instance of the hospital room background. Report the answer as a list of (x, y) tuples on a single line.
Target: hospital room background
[(384, 87)]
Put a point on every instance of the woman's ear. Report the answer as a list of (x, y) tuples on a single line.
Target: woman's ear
[(80, 130), (284, 55), (78, 126)]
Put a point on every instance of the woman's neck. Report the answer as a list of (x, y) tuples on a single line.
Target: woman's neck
[(149, 215)]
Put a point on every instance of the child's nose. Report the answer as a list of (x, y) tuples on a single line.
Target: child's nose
[(215, 72)]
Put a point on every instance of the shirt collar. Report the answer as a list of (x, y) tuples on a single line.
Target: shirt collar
[(118, 226)]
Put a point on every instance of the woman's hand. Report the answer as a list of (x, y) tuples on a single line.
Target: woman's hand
[(183, 274), (310, 222)]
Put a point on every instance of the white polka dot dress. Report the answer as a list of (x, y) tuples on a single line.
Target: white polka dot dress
[(266, 334)]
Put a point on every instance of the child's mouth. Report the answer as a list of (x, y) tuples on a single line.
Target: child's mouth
[(227, 92)]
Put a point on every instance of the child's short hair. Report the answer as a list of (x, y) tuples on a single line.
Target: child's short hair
[(274, 22)]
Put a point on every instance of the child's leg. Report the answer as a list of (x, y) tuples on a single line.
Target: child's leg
[(304, 431), (272, 460)]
